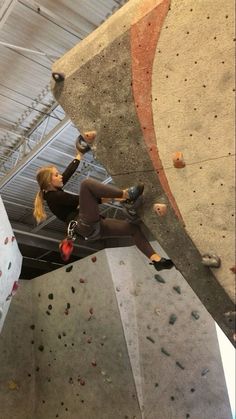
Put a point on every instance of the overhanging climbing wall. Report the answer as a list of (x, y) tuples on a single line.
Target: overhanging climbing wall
[(106, 338), (157, 80), (10, 264)]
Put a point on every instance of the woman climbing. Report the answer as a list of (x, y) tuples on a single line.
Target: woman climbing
[(82, 211)]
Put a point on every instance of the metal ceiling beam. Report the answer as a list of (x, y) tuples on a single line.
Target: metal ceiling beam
[(23, 163), (5, 11)]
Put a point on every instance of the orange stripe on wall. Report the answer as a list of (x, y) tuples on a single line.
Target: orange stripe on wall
[(144, 37)]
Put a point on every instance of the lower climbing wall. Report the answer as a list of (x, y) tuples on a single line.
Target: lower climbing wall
[(10, 264), (156, 83), (109, 337)]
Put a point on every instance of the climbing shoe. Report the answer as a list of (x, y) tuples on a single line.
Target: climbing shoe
[(134, 192), (162, 264), (66, 248)]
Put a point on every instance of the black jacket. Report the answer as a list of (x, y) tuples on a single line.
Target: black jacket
[(63, 204)]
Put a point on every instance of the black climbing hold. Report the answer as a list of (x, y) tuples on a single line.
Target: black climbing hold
[(156, 384), (164, 351), (9, 265), (50, 296), (48, 313), (59, 336), (68, 306), (172, 319), (177, 289), (180, 365), (50, 307), (151, 339), (41, 348), (58, 77), (69, 268), (159, 279), (32, 326), (195, 315), (73, 289), (205, 371)]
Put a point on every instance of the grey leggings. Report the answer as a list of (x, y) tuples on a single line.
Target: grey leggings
[(91, 192)]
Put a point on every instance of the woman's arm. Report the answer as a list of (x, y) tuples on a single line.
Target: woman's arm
[(70, 170)]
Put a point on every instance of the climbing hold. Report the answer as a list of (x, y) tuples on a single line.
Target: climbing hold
[(91, 311), (82, 281), (50, 296), (15, 288), (180, 365), (93, 259), (41, 348), (195, 315), (69, 269), (151, 339), (89, 136), (177, 289), (82, 145), (164, 351), (211, 260), (172, 319), (12, 385), (58, 77), (82, 382), (233, 269), (89, 340), (178, 160), (160, 209), (159, 279), (6, 240), (205, 371), (157, 311), (73, 289)]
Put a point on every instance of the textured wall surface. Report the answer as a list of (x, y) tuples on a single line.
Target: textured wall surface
[(10, 264), (100, 340), (154, 80)]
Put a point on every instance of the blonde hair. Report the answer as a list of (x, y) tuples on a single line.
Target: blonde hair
[(44, 176)]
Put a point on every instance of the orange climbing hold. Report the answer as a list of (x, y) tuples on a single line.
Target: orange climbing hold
[(160, 209), (89, 136), (178, 160)]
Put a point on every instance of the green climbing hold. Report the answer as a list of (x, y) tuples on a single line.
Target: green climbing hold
[(164, 351), (151, 339), (195, 315), (179, 365), (177, 289), (159, 279), (172, 319)]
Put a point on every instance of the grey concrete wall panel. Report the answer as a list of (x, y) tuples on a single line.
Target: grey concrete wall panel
[(96, 342)]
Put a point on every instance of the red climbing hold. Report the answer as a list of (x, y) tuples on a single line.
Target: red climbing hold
[(93, 259)]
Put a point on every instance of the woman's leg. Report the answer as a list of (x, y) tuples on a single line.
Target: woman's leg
[(111, 227), (91, 191)]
